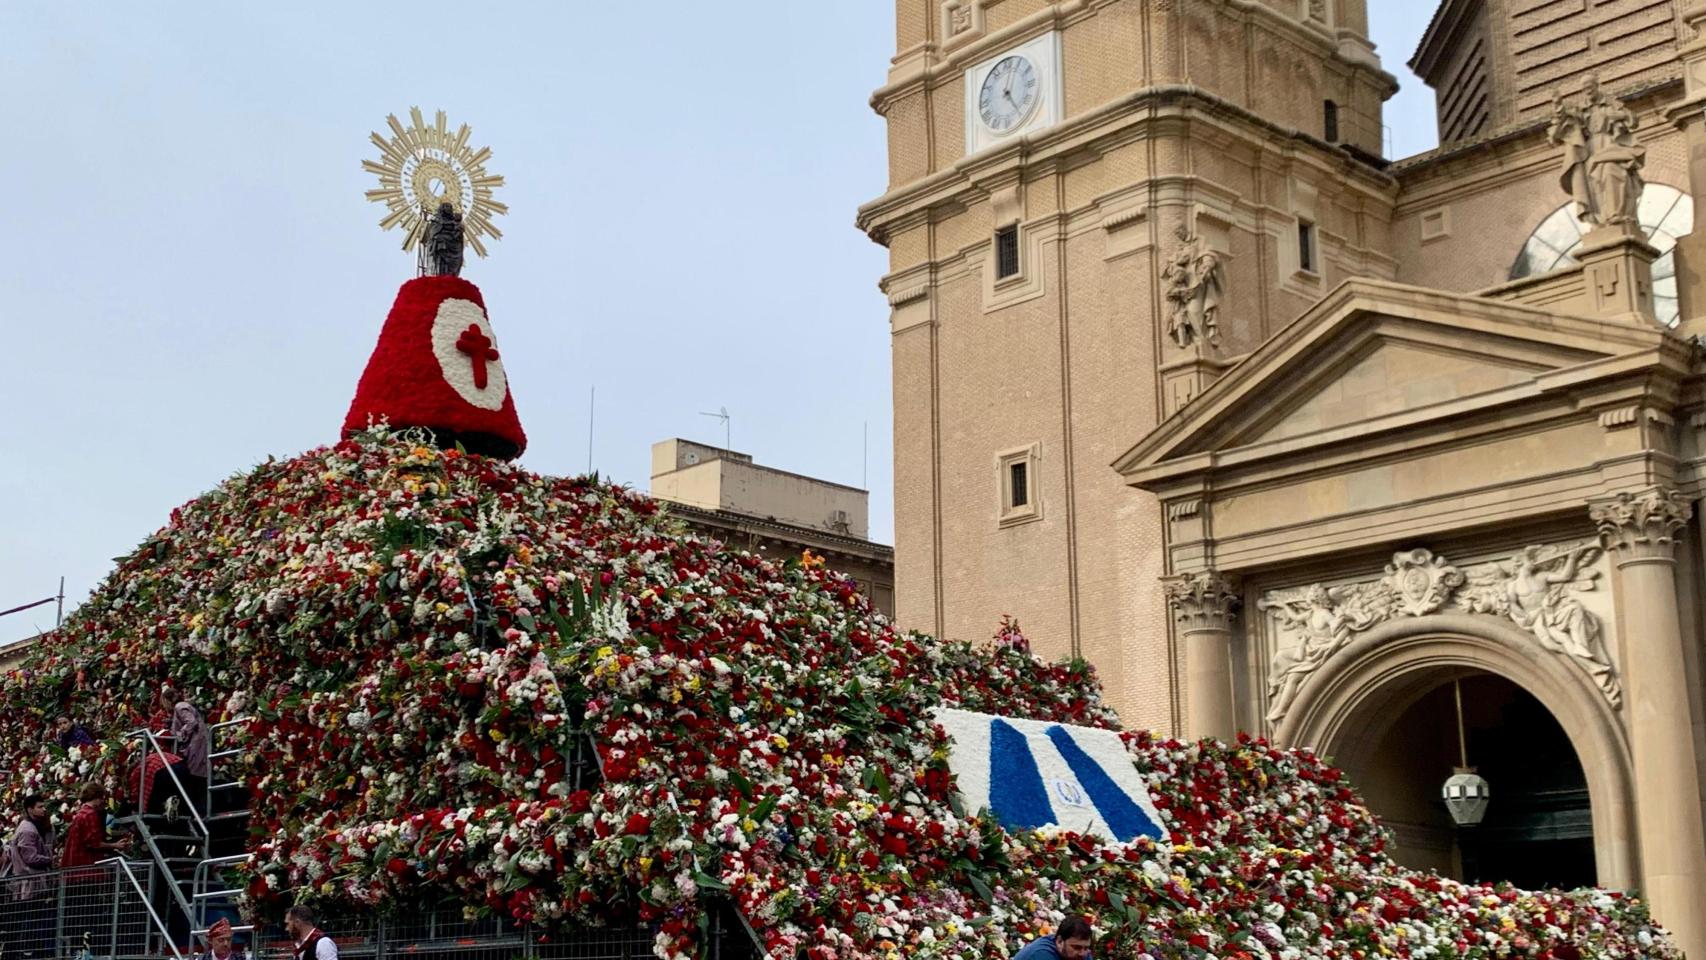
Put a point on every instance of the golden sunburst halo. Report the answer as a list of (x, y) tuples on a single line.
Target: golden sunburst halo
[(421, 166)]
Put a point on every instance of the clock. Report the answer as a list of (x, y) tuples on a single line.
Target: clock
[(1009, 94)]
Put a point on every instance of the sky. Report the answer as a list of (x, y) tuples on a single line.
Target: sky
[(191, 280)]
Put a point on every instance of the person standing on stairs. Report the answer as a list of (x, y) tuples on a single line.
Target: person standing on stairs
[(188, 729)]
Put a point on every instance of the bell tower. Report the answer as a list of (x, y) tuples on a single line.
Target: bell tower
[(1094, 208)]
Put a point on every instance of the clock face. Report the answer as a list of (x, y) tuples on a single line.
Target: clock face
[(1010, 92)]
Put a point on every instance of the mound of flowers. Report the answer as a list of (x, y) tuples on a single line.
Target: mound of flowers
[(419, 639)]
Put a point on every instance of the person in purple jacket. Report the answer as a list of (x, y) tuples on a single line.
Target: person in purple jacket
[(1071, 941)]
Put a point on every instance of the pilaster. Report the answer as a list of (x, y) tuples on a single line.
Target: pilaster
[(1639, 529)]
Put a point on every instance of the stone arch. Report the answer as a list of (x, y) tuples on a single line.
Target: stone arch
[(1378, 675)]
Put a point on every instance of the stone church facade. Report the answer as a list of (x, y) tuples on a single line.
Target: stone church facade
[(1291, 438)]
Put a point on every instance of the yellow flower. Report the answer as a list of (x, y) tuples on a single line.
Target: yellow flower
[(810, 560), (780, 741), (498, 735)]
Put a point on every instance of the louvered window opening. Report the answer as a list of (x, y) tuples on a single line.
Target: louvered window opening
[(1006, 252)]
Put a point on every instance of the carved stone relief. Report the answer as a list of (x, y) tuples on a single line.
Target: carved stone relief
[(962, 17), (1538, 589)]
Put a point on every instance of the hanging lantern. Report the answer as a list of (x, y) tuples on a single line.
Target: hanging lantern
[(1466, 792), (1466, 796)]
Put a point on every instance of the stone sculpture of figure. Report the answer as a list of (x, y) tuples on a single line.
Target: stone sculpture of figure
[(1194, 279), (1602, 160), (1538, 598), (444, 242), (1322, 626)]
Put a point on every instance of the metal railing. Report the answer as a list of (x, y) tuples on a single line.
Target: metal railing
[(205, 893), (104, 911), (102, 908)]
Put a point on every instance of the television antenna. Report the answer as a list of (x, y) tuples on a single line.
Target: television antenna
[(723, 415)]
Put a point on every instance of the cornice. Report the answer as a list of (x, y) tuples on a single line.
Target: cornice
[(1120, 121), (1448, 154)]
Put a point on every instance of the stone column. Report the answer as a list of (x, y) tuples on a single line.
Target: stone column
[(1639, 529), (1203, 605)]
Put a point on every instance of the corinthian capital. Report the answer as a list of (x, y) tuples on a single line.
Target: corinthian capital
[(1202, 601), (1641, 526)]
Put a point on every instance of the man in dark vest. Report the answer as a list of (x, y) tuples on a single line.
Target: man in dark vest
[(310, 943)]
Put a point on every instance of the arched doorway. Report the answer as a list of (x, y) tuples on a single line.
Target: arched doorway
[(1538, 831), (1358, 705)]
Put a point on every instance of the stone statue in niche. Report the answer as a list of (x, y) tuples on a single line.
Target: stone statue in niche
[(1536, 590), (1318, 10), (1194, 281), (1602, 159)]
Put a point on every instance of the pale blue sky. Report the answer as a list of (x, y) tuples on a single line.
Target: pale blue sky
[(191, 281)]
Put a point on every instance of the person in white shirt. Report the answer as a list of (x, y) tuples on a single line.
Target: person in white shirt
[(310, 943)]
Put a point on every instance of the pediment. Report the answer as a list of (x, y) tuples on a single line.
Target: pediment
[(1382, 375), (1373, 354)]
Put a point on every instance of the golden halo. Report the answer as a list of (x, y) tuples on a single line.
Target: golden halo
[(423, 166)]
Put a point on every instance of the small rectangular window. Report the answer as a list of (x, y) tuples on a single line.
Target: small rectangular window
[(1018, 486), (1331, 118), (1007, 252), (1019, 501), (1306, 253)]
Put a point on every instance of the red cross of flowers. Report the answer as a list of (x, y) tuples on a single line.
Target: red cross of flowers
[(479, 349)]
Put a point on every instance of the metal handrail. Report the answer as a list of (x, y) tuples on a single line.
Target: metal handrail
[(159, 861), (160, 925), (198, 884), (213, 732), (154, 745)]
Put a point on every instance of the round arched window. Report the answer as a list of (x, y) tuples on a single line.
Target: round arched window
[(1666, 213)]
